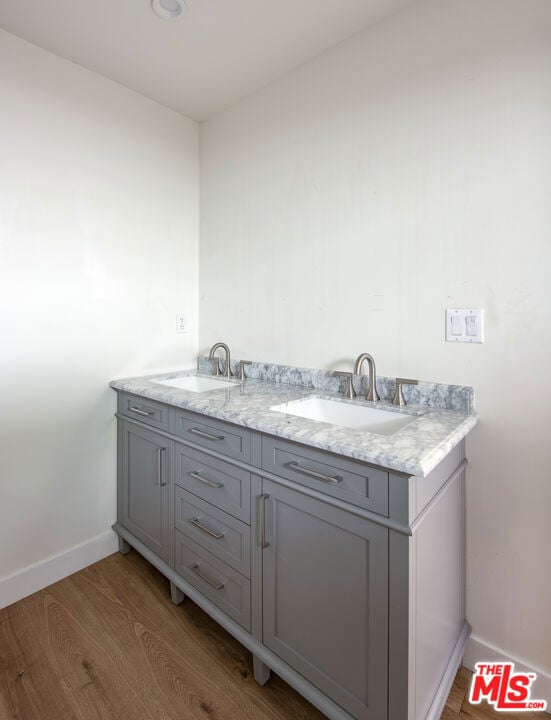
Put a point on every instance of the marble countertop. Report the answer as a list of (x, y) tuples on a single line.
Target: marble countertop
[(415, 449)]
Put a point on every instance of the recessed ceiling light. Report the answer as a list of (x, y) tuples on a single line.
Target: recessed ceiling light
[(168, 9)]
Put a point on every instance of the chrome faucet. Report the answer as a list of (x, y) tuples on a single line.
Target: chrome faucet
[(225, 348), (372, 393)]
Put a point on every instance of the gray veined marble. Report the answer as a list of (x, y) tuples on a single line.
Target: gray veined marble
[(428, 394), (443, 413)]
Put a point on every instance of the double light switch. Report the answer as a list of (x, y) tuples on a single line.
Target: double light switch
[(465, 325)]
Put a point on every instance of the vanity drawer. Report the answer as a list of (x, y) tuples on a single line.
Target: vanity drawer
[(346, 479), (218, 582), (219, 483), (219, 533), (215, 435), (145, 410)]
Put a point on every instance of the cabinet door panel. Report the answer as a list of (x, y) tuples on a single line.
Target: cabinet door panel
[(145, 475), (145, 410), (219, 533), (216, 481), (349, 480), (220, 583), (325, 598), (216, 435)]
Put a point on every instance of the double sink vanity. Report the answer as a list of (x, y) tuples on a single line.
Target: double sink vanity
[(324, 531)]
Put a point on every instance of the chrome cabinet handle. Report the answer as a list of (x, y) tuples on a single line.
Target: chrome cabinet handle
[(204, 528), (141, 412), (333, 479), (215, 585), (206, 435), (262, 517), (205, 480), (160, 452)]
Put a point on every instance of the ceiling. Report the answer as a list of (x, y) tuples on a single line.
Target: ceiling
[(216, 53)]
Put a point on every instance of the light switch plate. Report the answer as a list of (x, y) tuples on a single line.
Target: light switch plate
[(465, 325)]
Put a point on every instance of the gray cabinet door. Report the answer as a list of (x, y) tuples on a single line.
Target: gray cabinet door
[(144, 479), (325, 598)]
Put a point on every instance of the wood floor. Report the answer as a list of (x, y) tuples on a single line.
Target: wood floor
[(108, 644)]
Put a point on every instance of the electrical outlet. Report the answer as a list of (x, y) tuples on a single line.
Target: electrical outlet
[(465, 325), (181, 323)]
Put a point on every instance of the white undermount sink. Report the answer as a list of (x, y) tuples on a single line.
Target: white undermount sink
[(347, 414), (196, 383)]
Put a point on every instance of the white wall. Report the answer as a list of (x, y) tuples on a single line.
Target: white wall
[(344, 207), (98, 251)]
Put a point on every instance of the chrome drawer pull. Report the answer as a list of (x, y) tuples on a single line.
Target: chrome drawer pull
[(215, 585), (333, 479), (160, 452), (142, 412), (204, 528), (262, 499), (206, 435), (210, 483)]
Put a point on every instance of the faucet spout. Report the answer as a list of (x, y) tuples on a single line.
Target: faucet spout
[(225, 348), (372, 393)]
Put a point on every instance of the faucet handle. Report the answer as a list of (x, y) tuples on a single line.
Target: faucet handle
[(348, 387), (241, 371), (398, 398)]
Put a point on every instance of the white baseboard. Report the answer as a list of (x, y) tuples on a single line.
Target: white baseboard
[(38, 576), (478, 650)]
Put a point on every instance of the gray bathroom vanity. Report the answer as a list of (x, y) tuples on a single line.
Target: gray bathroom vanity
[(334, 554)]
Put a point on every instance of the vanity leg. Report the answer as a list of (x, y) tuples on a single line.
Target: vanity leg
[(176, 595), (261, 671), (124, 547)]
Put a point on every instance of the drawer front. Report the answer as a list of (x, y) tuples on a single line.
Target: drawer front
[(147, 411), (346, 479), (218, 582), (219, 533), (219, 483), (212, 434)]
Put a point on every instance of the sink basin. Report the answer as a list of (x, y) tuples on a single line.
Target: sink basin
[(195, 383), (374, 420)]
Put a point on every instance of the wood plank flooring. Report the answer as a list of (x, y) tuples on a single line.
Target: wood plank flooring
[(108, 644)]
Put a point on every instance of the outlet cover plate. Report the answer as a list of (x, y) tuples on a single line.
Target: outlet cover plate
[(181, 323)]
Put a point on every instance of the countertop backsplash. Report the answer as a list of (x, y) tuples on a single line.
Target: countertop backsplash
[(428, 394)]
